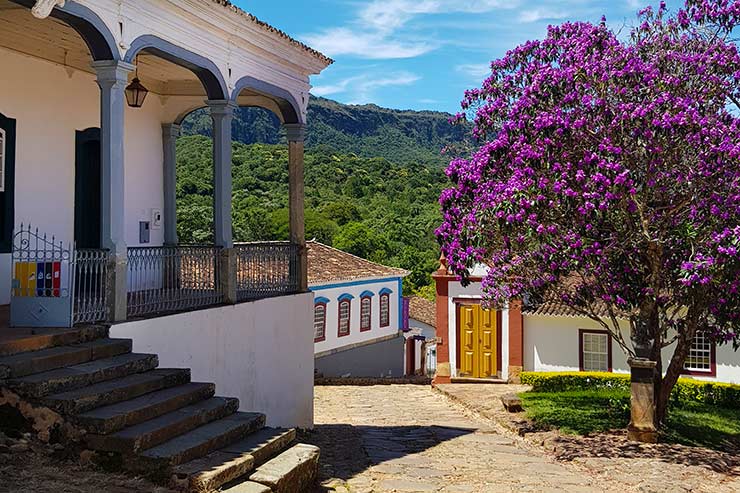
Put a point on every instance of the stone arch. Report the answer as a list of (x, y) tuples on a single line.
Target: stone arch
[(91, 28), (287, 108), (206, 71)]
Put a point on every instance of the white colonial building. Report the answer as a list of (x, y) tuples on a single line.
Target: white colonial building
[(474, 342), (358, 314), (92, 94)]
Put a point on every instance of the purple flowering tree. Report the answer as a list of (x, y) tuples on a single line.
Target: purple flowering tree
[(608, 179)]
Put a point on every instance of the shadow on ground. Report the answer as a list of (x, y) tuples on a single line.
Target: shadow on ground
[(614, 445), (348, 450)]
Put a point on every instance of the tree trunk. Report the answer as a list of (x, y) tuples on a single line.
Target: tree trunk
[(657, 378), (672, 374)]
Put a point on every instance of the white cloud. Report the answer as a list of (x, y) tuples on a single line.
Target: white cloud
[(377, 32), (539, 14), (474, 70), (360, 89), (372, 45)]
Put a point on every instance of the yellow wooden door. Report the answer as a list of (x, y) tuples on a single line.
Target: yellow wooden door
[(478, 342), (468, 341), (487, 343)]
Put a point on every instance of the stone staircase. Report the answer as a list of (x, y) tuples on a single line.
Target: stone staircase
[(83, 389)]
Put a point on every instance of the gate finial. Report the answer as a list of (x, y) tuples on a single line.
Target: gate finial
[(43, 8)]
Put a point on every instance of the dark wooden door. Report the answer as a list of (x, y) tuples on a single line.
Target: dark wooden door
[(87, 188), (7, 182)]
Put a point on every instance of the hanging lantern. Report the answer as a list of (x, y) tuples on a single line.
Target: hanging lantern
[(136, 93)]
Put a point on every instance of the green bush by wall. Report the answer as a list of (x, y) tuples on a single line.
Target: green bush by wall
[(686, 390)]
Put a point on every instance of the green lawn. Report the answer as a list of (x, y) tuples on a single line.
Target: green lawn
[(593, 411)]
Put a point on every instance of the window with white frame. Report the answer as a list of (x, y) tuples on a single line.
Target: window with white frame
[(319, 322), (365, 313), (700, 354), (385, 310), (595, 354), (344, 317), (2, 159)]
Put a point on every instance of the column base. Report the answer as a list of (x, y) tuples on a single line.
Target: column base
[(227, 275), (642, 401), (117, 289), (515, 374)]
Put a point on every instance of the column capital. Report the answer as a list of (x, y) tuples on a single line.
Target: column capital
[(171, 130), (295, 132), (221, 107), (112, 70)]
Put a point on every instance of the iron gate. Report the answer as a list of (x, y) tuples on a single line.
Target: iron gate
[(41, 294)]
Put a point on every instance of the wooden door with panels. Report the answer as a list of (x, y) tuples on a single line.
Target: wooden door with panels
[(477, 327)]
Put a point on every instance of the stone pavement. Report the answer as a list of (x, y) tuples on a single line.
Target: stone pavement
[(408, 438)]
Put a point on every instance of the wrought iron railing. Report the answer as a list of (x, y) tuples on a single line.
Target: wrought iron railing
[(90, 286), (266, 269), (172, 279)]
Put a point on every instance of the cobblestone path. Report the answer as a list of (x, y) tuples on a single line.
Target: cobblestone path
[(407, 438)]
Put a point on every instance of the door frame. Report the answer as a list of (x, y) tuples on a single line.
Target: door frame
[(459, 303), (8, 202), (82, 137)]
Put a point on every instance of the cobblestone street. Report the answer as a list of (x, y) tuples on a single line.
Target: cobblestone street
[(408, 438)]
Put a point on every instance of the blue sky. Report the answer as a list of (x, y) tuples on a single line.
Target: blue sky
[(422, 54)]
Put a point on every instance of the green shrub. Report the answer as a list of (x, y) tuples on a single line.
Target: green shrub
[(566, 381), (686, 390)]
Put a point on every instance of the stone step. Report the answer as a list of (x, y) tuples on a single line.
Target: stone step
[(151, 433), (77, 376), (293, 471), (17, 341), (233, 461), (22, 364), (115, 417), (248, 487), (201, 441), (118, 390)]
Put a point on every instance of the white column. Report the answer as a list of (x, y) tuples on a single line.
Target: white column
[(170, 132), (112, 79), (296, 134)]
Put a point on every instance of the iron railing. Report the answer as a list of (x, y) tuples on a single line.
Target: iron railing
[(266, 269), (90, 286), (172, 279)]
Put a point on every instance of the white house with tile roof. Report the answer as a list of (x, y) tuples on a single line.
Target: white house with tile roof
[(474, 342), (358, 314), (92, 94)]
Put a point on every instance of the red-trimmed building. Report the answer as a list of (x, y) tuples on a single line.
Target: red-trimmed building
[(473, 342)]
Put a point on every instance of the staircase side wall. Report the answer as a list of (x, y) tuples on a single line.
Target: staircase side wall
[(260, 352)]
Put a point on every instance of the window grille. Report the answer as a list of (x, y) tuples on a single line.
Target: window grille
[(385, 319), (319, 322), (595, 351), (365, 314), (344, 317), (700, 354)]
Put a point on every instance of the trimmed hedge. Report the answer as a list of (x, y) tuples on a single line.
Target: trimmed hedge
[(686, 390)]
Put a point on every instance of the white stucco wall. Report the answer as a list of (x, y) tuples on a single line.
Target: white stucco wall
[(422, 329), (259, 352), (334, 291), (50, 103), (551, 344)]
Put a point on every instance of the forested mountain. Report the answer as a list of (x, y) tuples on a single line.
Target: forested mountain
[(367, 130), (373, 178)]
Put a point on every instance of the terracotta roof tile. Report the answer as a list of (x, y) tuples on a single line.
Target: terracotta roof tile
[(267, 27), (423, 310), (327, 264)]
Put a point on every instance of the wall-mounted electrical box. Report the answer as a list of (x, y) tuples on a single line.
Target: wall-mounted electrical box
[(144, 232), (156, 219)]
